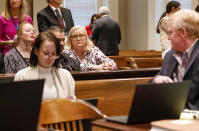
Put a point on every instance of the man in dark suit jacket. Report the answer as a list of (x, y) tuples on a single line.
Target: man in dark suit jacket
[(182, 62), (48, 17), (106, 33)]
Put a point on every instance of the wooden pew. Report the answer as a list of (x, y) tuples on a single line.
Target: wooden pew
[(124, 62), (141, 53), (6, 77), (115, 74), (94, 75), (114, 95), (147, 62)]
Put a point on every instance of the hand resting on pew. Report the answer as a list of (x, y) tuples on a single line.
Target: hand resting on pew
[(104, 66)]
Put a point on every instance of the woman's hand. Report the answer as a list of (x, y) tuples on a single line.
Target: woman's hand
[(104, 66), (10, 43)]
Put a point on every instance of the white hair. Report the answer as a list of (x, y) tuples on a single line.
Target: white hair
[(187, 19), (103, 10)]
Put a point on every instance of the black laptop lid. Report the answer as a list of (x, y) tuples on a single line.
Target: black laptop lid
[(158, 101), (20, 105)]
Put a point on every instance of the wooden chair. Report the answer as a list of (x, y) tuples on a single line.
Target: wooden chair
[(68, 114)]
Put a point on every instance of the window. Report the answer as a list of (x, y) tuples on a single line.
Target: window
[(185, 4), (81, 10)]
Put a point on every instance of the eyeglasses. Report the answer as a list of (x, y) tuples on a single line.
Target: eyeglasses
[(48, 55), (80, 36)]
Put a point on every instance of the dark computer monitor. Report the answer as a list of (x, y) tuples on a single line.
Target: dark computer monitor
[(155, 102), (20, 105)]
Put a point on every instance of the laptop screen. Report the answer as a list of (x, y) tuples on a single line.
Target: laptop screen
[(158, 101), (20, 105)]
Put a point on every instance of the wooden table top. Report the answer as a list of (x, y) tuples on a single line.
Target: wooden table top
[(120, 127)]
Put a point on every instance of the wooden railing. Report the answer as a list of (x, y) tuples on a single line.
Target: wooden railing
[(114, 95)]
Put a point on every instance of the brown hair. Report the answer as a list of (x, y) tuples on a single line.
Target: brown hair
[(44, 36)]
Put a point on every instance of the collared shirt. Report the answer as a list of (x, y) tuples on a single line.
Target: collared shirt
[(179, 73), (53, 8)]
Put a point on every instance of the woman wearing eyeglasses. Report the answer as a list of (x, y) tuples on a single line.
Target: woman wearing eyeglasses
[(44, 65), (80, 48)]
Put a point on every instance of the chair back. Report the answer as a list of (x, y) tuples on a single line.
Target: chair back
[(68, 114)]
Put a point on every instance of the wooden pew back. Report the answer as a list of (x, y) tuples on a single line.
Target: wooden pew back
[(124, 62), (114, 95), (140, 54)]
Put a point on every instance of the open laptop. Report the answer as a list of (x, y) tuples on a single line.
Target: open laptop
[(155, 102), (20, 105)]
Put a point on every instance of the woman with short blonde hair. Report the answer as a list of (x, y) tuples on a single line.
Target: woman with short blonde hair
[(82, 49)]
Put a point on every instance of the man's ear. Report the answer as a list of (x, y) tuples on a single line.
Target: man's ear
[(184, 32), (36, 51)]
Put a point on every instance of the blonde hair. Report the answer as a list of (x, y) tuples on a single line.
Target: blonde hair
[(187, 19), (89, 43), (22, 10)]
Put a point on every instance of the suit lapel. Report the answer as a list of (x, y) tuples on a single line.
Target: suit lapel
[(51, 13), (193, 56), (65, 16), (172, 66), (53, 16)]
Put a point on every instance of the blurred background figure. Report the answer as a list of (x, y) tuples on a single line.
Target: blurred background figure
[(106, 32), (10, 20), (90, 26), (162, 27), (44, 65), (81, 48), (66, 62), (18, 58), (197, 8)]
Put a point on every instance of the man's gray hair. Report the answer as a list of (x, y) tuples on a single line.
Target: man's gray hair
[(47, 1), (103, 10)]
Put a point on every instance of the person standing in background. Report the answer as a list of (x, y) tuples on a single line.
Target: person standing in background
[(10, 20), (162, 26), (90, 26), (54, 15), (197, 8), (106, 32)]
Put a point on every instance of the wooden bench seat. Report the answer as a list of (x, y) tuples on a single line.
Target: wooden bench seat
[(114, 95)]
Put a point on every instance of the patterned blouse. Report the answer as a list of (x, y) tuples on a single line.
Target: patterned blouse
[(93, 57), (14, 61)]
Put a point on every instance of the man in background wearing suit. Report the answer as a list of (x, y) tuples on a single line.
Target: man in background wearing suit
[(106, 33), (65, 60), (182, 62), (54, 15)]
